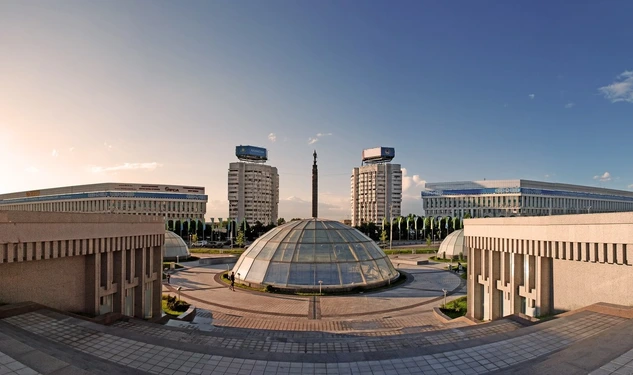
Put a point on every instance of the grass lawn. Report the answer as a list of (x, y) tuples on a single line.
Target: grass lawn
[(455, 308), (215, 251), (425, 250)]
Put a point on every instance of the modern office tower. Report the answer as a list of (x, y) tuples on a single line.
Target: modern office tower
[(504, 198), (376, 188), (173, 202), (253, 187)]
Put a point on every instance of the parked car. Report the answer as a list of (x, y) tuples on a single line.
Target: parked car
[(199, 244)]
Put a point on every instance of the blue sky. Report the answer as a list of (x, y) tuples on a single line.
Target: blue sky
[(162, 92)]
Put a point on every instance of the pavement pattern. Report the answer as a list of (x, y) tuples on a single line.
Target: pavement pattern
[(159, 357)]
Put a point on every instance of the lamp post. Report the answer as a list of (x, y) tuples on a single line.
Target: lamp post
[(444, 290), (238, 277), (178, 289), (320, 284)]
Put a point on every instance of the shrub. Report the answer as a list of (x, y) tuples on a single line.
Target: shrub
[(461, 256), (428, 241), (176, 305)]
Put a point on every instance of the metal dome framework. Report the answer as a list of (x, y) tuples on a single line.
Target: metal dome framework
[(313, 253), (453, 245), (175, 247)]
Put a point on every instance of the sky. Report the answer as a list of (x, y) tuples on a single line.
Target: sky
[(163, 91)]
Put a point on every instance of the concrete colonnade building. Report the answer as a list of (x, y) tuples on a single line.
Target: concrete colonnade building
[(85, 263), (545, 265), (505, 198), (173, 202)]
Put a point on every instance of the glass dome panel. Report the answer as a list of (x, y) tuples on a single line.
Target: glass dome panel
[(328, 273), (267, 252), (373, 250), (343, 253), (336, 236), (307, 236), (244, 268), (351, 273), (359, 250), (257, 271), (371, 271), (293, 237), (301, 274), (310, 225), (304, 253), (324, 253), (277, 273)]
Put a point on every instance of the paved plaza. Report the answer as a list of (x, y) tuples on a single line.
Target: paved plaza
[(244, 332)]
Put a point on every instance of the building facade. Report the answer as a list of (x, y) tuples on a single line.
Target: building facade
[(83, 263), (173, 202), (253, 193), (376, 193), (546, 265), (505, 198)]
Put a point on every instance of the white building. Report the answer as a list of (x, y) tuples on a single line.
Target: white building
[(376, 193), (174, 202), (505, 198), (253, 193)]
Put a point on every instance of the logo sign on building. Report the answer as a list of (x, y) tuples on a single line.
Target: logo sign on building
[(160, 188)]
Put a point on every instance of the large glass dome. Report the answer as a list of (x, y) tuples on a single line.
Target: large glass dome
[(301, 254)]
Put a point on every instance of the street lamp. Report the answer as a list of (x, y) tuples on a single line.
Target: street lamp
[(320, 284), (178, 289), (444, 290), (238, 277)]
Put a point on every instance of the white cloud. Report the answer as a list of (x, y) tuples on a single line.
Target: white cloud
[(630, 186), (127, 167), (54, 153), (32, 170), (313, 140), (606, 176), (531, 96), (409, 182), (570, 105), (71, 149), (272, 137), (621, 90), (107, 145)]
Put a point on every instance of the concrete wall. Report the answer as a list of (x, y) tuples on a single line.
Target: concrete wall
[(91, 263), (579, 284), (58, 283), (548, 264)]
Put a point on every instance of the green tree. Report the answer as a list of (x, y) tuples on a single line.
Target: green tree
[(383, 236), (239, 240), (281, 221), (467, 215), (296, 218)]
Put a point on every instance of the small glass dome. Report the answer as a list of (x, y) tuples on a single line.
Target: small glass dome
[(175, 247), (306, 254), (452, 245)]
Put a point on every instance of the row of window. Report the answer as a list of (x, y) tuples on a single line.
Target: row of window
[(144, 207), (525, 201)]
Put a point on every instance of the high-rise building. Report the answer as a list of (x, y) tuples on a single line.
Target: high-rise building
[(376, 193), (253, 193)]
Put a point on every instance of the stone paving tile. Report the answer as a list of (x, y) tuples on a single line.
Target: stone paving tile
[(9, 366), (621, 365), (342, 344), (475, 360)]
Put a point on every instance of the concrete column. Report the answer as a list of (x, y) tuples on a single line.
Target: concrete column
[(93, 276), (475, 304), (139, 293), (517, 281), (544, 286), (494, 277), (119, 279)]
